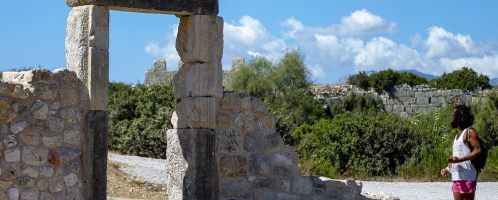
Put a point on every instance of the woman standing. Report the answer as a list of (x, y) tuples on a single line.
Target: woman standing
[(463, 173)]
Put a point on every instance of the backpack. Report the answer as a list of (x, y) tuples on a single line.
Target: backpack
[(480, 160)]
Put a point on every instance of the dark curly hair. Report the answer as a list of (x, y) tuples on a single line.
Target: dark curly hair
[(462, 117)]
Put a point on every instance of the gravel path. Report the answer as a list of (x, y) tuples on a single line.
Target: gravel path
[(154, 171), (426, 190), (148, 169)]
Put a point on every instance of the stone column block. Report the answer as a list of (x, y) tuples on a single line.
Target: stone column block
[(87, 44), (191, 165), (200, 39), (196, 112), (199, 80)]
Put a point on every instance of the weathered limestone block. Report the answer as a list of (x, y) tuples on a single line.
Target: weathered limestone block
[(260, 164), (233, 166), (55, 124), (87, 44), (233, 102), (236, 189), (9, 141), (198, 80), (191, 165), (287, 196), (12, 155), (14, 90), (228, 140), (31, 194), (27, 77), (52, 141), (72, 136), (66, 78), (98, 82), (178, 7), (197, 112), (71, 115), (39, 109), (200, 39), (33, 155), (71, 179), (17, 127), (56, 184), (14, 193), (6, 112), (423, 100), (45, 91)]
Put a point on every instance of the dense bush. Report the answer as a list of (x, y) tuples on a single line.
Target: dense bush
[(284, 87), (465, 79), (385, 80), (364, 144), (356, 103), (487, 119), (139, 117), (360, 80)]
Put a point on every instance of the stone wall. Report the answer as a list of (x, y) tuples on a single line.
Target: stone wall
[(254, 163), (405, 99), (41, 135)]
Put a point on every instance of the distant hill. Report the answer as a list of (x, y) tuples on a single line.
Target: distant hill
[(427, 76), (493, 82)]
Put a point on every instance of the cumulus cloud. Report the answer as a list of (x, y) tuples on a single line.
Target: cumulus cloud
[(442, 43), (362, 21), (168, 51), (349, 47), (248, 37)]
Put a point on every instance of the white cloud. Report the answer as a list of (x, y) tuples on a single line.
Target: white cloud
[(362, 21), (335, 50), (168, 51), (442, 43), (249, 38), (317, 71)]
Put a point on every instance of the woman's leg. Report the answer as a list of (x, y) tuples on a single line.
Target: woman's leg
[(468, 196), (457, 196)]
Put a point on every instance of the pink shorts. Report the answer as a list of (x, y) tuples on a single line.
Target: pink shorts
[(464, 187)]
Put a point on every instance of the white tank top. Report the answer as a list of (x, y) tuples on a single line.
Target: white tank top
[(462, 170)]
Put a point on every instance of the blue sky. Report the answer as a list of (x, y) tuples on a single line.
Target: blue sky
[(338, 38)]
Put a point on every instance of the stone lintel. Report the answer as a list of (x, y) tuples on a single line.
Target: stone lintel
[(177, 7)]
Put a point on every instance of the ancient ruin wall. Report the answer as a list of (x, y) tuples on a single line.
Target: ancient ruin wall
[(254, 163), (41, 135), (405, 100)]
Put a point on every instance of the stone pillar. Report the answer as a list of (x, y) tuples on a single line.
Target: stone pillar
[(191, 165), (87, 44)]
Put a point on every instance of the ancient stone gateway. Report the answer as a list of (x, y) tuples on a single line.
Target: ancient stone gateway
[(53, 125)]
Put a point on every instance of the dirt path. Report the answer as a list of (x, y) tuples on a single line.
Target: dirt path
[(121, 186)]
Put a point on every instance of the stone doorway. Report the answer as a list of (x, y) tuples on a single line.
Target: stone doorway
[(87, 44)]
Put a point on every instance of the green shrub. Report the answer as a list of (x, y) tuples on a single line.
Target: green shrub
[(284, 87), (465, 79), (360, 80), (357, 103), (436, 137), (360, 144), (486, 119), (139, 117)]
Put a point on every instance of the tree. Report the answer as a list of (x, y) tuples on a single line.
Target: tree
[(284, 86), (411, 79), (384, 80), (138, 118), (360, 80), (465, 79)]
